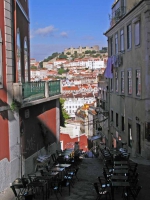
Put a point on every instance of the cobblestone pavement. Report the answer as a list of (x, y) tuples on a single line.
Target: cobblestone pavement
[(90, 169)]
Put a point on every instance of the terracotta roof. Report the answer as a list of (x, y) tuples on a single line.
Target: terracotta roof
[(70, 88)]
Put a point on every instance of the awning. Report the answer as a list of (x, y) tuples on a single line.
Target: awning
[(96, 137)]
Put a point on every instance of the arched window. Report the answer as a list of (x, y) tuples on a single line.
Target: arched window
[(26, 67), (18, 57), (1, 71)]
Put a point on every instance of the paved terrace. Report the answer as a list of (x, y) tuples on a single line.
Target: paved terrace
[(90, 169)]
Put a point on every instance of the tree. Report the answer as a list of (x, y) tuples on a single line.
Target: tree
[(87, 52), (33, 67), (48, 58), (62, 56), (68, 53), (62, 71), (63, 114)]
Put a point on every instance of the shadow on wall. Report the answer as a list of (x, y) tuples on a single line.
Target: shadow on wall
[(45, 132)]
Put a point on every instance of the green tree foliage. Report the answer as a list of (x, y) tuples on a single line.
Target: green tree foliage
[(62, 71), (33, 67), (87, 52), (63, 114), (68, 53), (93, 52), (54, 55), (62, 56)]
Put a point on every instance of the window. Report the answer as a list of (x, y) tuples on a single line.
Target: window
[(18, 57), (138, 82), (1, 71), (129, 40), (116, 119), (26, 61), (137, 33), (122, 123), (122, 40), (116, 43), (129, 134), (122, 82), (112, 116), (111, 46), (129, 82), (116, 81)]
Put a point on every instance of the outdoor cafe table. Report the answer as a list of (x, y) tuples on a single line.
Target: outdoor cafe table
[(42, 161), (118, 184), (120, 171), (119, 177), (63, 165), (58, 169), (121, 162), (121, 167)]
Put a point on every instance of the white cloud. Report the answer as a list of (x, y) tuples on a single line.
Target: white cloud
[(64, 34), (48, 30)]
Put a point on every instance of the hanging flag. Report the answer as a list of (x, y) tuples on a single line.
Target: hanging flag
[(109, 69)]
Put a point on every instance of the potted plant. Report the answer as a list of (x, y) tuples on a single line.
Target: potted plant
[(15, 105)]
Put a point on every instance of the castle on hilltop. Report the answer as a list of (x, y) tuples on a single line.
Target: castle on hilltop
[(81, 49)]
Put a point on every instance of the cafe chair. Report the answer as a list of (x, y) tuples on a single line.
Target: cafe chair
[(107, 176), (55, 187), (37, 186), (21, 192), (58, 152), (65, 183), (103, 182), (101, 192), (132, 192), (73, 172)]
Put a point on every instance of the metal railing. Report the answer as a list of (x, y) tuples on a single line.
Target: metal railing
[(117, 15), (120, 12), (33, 90), (54, 87)]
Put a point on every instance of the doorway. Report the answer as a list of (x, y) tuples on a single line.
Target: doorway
[(138, 131)]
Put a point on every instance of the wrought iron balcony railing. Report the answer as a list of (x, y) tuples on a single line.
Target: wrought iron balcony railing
[(54, 87), (117, 15), (31, 91)]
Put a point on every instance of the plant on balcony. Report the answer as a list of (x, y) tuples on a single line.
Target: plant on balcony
[(63, 114), (15, 105)]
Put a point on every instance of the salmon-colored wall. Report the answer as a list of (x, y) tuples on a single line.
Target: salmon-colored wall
[(4, 138), (69, 142), (49, 119)]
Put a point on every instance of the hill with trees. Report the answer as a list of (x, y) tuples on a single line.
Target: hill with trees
[(69, 56)]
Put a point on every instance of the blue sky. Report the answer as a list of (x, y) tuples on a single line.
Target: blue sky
[(59, 24)]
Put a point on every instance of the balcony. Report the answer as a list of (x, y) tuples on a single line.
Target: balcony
[(32, 91), (117, 15)]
